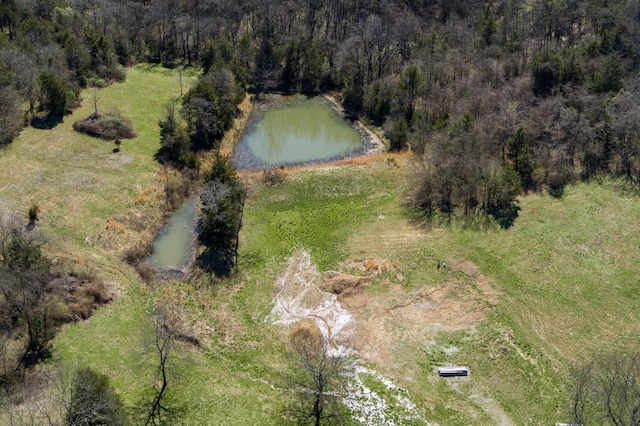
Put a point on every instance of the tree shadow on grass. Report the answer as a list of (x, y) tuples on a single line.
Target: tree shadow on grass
[(220, 261), (505, 216), (628, 186), (47, 122)]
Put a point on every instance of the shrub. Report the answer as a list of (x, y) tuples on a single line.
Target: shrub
[(137, 252), (146, 272), (107, 126), (87, 299), (274, 177), (33, 213)]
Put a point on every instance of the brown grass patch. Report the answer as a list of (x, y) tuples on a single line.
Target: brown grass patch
[(274, 177), (145, 271), (385, 237), (79, 290), (306, 338), (88, 298), (231, 138)]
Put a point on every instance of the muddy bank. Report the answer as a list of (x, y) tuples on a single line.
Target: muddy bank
[(372, 142)]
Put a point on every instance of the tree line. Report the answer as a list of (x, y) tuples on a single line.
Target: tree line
[(549, 85)]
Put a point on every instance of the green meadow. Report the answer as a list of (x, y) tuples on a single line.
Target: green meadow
[(566, 273)]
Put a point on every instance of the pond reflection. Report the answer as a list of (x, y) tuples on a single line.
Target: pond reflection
[(298, 134)]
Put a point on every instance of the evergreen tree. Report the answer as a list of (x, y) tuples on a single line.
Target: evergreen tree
[(520, 153), (175, 146), (399, 135), (55, 96), (220, 222), (94, 402), (488, 25)]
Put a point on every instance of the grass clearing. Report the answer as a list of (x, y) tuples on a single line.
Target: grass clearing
[(563, 268), (567, 275), (77, 181)]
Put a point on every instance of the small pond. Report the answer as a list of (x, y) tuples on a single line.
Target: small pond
[(306, 132), (173, 249)]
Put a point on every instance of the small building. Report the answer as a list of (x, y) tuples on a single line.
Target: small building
[(453, 371)]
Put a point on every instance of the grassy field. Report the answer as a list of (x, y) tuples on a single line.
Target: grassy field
[(77, 180), (566, 273)]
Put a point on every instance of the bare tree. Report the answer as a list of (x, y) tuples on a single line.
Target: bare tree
[(93, 401), (95, 98), (607, 391), (582, 392), (167, 327), (321, 381), (70, 396), (619, 383), (26, 305)]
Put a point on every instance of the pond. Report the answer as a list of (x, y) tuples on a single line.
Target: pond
[(303, 133), (173, 249)]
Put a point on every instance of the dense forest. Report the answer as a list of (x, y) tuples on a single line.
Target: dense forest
[(497, 98)]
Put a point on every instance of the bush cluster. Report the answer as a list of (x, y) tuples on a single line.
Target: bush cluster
[(109, 126)]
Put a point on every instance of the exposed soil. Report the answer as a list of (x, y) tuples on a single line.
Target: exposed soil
[(371, 323), (391, 316)]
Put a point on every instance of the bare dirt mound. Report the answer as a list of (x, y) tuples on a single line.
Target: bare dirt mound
[(343, 284), (299, 297), (306, 337)]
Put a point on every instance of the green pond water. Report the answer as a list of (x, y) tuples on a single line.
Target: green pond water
[(307, 132), (298, 134), (173, 249)]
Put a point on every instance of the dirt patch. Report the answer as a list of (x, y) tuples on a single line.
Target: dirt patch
[(343, 284), (490, 294), (306, 338), (298, 297), (385, 318), (373, 322)]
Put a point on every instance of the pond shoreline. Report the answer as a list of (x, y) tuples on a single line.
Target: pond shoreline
[(372, 145), (245, 160), (371, 141)]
